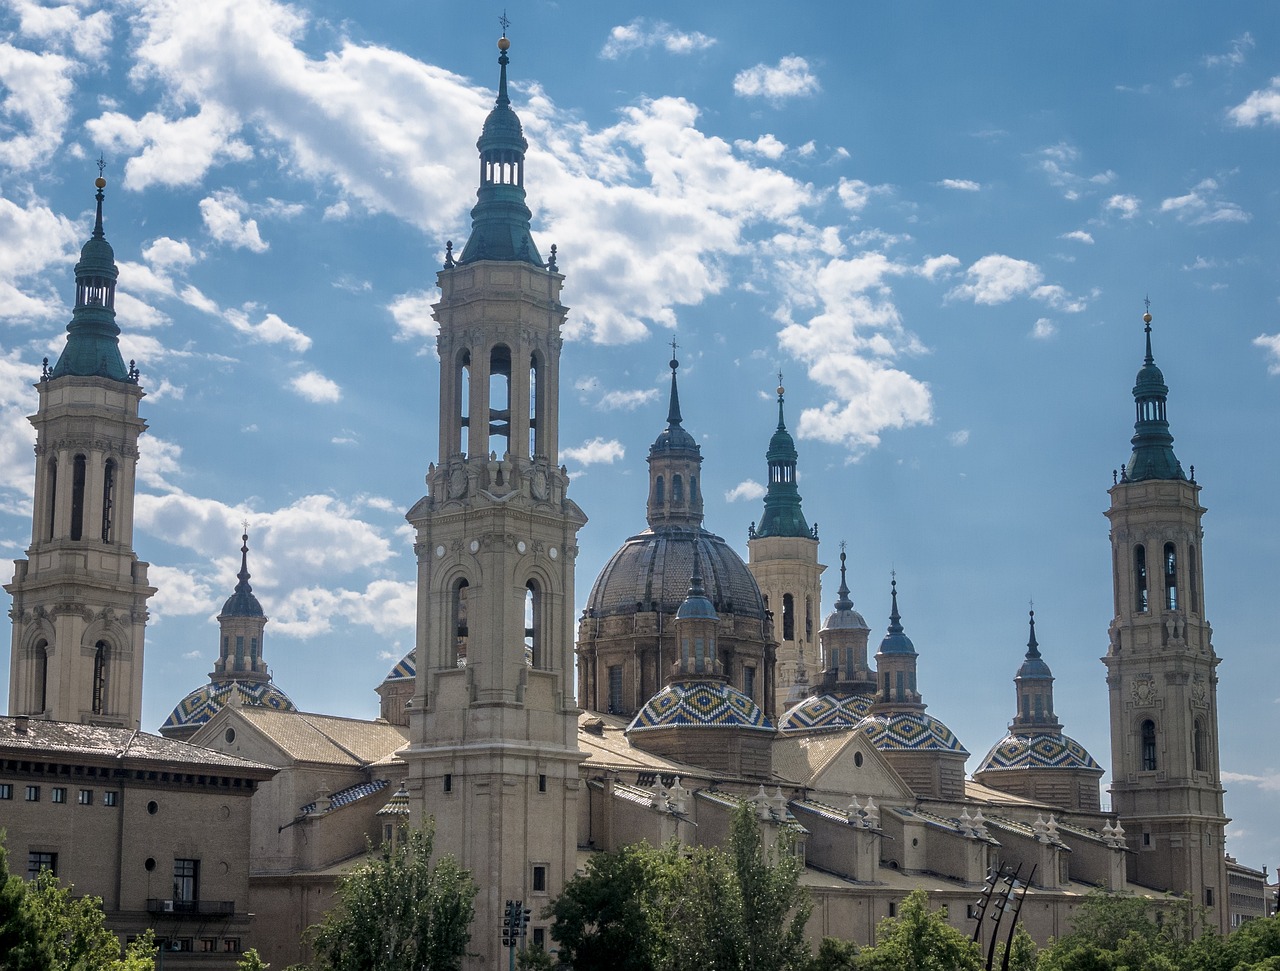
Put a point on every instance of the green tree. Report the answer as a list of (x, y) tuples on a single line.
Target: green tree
[(835, 954), (920, 940), (252, 961), (602, 919), (400, 912), (775, 908), (534, 958)]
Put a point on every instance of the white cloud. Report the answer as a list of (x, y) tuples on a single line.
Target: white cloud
[(959, 438), (595, 452), (32, 239), (315, 387), (936, 266), (766, 146), (1079, 235), (37, 104), (271, 329), (170, 152), (627, 400), (224, 220), (1269, 781), (964, 185), (17, 437), (88, 34), (158, 461), (750, 490), (1261, 107), (1235, 56), (166, 252), (1126, 206), (1201, 205), (180, 593), (790, 79), (996, 279), (388, 606), (1043, 329), (642, 34), (1270, 343), (855, 194), (412, 313)]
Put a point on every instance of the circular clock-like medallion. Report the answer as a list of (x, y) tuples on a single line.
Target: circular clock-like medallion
[(439, 551), (553, 552), (521, 547), (475, 546)]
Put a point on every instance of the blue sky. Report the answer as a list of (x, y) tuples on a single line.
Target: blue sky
[(939, 222)]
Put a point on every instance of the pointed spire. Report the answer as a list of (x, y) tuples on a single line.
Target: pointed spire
[(843, 602), (93, 345), (896, 641), (242, 602), (243, 575), (673, 409), (782, 513), (1152, 456), (1033, 649)]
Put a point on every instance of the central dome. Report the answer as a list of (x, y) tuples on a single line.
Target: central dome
[(651, 573)]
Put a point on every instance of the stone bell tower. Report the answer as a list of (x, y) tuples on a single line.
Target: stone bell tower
[(493, 725), (80, 597), (1161, 667)]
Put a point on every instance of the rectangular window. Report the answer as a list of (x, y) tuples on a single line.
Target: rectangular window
[(540, 938), (59, 794), (186, 881), (37, 861), (6, 790), (208, 944), (85, 798), (231, 945), (542, 783), (1208, 896), (615, 689), (109, 798), (893, 908), (448, 782), (33, 793), (539, 878), (749, 682)]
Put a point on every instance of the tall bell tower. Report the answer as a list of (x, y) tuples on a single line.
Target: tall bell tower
[(1161, 667), (493, 725), (80, 597)]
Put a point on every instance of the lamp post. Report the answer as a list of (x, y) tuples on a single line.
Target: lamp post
[(515, 925)]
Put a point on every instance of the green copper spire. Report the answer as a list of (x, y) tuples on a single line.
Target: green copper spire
[(782, 513), (1152, 456), (500, 219), (93, 346)]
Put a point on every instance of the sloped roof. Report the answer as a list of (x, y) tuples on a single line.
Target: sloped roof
[(308, 737)]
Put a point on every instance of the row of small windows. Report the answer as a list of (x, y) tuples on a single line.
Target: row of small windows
[(79, 469), (677, 490), (789, 617), (101, 666), (58, 794), (497, 433), (1199, 746), (1169, 568)]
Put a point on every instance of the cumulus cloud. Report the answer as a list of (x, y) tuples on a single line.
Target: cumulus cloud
[(32, 239), (1261, 107), (180, 593), (36, 106), (17, 437), (315, 387), (166, 252), (171, 151), (1270, 344), (936, 266), (412, 313), (766, 146), (594, 452), (998, 279), (1235, 54), (642, 34), (1203, 205), (627, 400), (749, 491), (271, 329), (855, 194), (1043, 329), (224, 220), (791, 78), (1079, 235), (1268, 781), (1126, 206), (964, 185)]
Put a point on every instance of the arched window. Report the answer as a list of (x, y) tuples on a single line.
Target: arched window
[(500, 400), (1199, 741), (886, 686), (536, 444), (41, 677), (459, 623), (1148, 746), (533, 648), (108, 498), (693, 489), (677, 489), (808, 618), (1193, 580), (1140, 578), (788, 617), (900, 686), (99, 677), (463, 384), (1170, 577), (53, 494), (659, 491), (77, 496)]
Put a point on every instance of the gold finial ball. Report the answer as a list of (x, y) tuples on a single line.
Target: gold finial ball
[(100, 182), (503, 44), (1146, 318), (781, 391)]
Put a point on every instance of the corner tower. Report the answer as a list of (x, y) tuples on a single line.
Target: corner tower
[(493, 751), (80, 597), (783, 553), (1161, 666)]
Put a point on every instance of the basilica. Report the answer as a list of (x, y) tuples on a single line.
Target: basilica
[(536, 729)]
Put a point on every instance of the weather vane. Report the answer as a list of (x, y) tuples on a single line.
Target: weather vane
[(504, 22), (674, 345), (102, 164), (842, 545), (245, 524), (1147, 300)]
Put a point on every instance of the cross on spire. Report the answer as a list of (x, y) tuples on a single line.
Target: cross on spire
[(504, 22), (102, 164)]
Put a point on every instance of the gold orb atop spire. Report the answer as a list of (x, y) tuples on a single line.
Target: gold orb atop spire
[(781, 391), (1146, 318), (100, 182), (503, 43)]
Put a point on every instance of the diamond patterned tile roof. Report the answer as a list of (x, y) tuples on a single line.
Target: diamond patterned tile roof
[(1046, 750), (827, 711), (406, 670), (700, 704), (344, 797), (911, 731), (208, 699)]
